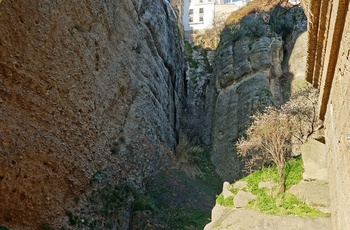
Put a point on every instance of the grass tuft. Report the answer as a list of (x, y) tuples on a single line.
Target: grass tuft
[(186, 152), (228, 202)]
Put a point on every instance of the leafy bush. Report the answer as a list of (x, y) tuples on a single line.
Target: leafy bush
[(232, 32)]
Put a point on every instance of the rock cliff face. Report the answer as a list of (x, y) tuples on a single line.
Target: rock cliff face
[(198, 75), (84, 87), (246, 78)]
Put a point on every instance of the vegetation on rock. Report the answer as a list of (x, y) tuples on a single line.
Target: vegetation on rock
[(270, 132), (279, 21), (269, 137), (271, 201), (186, 151)]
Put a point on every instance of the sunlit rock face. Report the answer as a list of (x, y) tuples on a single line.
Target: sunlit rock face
[(84, 87), (327, 69), (247, 74)]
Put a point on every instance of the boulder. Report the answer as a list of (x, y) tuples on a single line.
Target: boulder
[(226, 190), (313, 193), (240, 185), (242, 199), (314, 159)]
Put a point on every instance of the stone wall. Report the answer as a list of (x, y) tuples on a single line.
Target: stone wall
[(85, 87), (328, 70)]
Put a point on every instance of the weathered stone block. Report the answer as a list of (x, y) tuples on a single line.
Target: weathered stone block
[(314, 159), (226, 190), (242, 199)]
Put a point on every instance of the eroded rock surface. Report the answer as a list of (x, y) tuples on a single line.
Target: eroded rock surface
[(247, 76), (84, 87), (313, 193), (314, 160)]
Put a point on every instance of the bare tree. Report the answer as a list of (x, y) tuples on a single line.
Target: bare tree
[(269, 132), (303, 107)]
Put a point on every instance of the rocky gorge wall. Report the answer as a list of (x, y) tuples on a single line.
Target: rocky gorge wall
[(85, 87), (251, 71), (246, 78)]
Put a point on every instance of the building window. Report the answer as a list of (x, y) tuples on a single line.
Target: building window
[(201, 10), (190, 19), (190, 12), (200, 1), (201, 19)]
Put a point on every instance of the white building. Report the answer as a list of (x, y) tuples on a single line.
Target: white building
[(238, 3), (294, 2), (200, 14)]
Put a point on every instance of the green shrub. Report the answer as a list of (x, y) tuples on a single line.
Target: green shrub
[(254, 26), (283, 20), (188, 55)]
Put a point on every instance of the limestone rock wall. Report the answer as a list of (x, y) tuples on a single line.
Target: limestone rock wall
[(246, 78), (198, 75), (84, 87)]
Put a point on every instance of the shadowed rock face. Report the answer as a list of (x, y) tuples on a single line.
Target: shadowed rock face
[(247, 76), (84, 86)]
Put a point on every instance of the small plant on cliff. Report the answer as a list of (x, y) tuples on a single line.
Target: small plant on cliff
[(188, 55), (254, 26), (269, 138), (186, 150), (269, 132), (283, 20)]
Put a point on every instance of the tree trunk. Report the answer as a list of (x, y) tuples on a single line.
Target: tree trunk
[(282, 179)]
